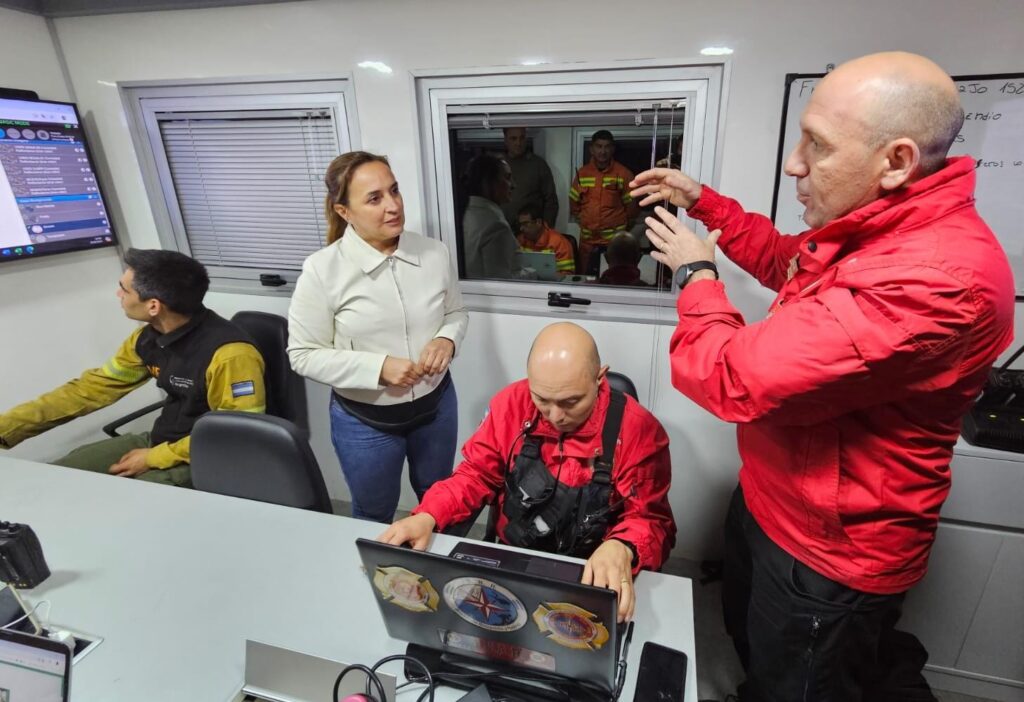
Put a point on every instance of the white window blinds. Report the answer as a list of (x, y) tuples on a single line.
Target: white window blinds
[(249, 183)]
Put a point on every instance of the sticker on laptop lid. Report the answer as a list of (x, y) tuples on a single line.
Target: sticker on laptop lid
[(496, 650), (570, 626), (485, 604), (405, 589)]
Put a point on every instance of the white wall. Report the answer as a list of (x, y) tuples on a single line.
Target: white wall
[(58, 315), (770, 39)]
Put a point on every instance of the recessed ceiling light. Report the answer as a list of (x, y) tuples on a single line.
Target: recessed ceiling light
[(376, 66), (716, 51)]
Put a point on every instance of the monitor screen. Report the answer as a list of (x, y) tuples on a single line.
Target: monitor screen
[(31, 673), (50, 200)]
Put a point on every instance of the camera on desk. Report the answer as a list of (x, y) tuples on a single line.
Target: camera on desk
[(21, 556)]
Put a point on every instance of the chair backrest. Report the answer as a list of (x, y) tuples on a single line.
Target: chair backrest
[(258, 457), (575, 252), (622, 383), (286, 389)]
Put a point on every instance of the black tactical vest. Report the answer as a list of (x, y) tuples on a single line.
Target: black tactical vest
[(548, 515), (179, 361)]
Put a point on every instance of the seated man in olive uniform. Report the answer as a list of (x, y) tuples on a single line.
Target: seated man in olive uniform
[(202, 362), (576, 468)]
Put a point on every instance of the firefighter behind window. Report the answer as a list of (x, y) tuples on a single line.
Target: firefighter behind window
[(575, 467), (536, 235), (202, 362), (599, 199)]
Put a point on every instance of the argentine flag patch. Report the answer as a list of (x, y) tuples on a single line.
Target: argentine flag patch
[(246, 387)]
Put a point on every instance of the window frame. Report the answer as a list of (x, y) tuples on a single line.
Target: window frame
[(143, 100), (703, 84)]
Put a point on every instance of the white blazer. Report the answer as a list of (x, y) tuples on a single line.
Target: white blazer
[(353, 306)]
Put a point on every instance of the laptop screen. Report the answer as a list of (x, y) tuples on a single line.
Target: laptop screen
[(32, 669)]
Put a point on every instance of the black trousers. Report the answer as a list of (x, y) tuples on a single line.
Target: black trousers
[(802, 637)]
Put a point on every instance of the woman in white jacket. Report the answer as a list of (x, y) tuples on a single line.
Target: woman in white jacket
[(378, 316)]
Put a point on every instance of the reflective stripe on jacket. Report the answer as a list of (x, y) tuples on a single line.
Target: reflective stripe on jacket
[(601, 201)]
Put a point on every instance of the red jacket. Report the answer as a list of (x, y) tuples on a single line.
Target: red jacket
[(641, 471), (849, 396)]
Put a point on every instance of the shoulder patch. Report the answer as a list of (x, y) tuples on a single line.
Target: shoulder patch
[(243, 388)]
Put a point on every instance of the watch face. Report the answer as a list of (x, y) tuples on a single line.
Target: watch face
[(682, 274)]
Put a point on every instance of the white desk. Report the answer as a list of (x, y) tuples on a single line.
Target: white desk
[(176, 580)]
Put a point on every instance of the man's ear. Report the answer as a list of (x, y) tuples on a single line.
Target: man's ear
[(154, 307), (602, 372), (902, 160)]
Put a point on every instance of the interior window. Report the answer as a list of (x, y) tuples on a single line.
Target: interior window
[(543, 195)]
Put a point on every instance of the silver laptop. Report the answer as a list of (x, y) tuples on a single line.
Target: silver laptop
[(544, 262)]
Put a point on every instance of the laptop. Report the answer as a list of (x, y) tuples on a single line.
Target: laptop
[(541, 626), (543, 262), (33, 668)]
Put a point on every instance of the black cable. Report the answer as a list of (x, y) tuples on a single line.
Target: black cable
[(409, 659), (1012, 358), (371, 677)]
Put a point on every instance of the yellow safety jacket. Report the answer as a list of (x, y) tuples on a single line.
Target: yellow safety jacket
[(231, 380)]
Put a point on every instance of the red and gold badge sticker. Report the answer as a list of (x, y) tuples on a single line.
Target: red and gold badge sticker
[(570, 626), (406, 589)]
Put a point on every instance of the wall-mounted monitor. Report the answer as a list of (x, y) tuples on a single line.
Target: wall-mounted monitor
[(50, 199)]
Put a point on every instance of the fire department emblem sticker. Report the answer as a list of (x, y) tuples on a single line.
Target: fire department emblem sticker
[(405, 589), (485, 604), (570, 626)]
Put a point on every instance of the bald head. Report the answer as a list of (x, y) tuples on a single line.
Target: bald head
[(564, 372), (564, 348), (897, 95)]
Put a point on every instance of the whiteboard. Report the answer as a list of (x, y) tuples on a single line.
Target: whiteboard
[(993, 134)]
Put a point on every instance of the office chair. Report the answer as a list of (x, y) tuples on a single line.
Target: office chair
[(257, 457), (622, 383), (575, 244), (286, 389), (617, 381)]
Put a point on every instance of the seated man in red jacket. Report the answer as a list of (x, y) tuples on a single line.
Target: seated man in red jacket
[(890, 311), (545, 451)]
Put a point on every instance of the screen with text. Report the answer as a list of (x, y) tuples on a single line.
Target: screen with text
[(50, 200)]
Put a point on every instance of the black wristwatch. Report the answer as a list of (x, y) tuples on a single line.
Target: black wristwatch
[(682, 275)]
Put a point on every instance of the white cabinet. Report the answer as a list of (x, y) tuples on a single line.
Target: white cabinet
[(969, 609)]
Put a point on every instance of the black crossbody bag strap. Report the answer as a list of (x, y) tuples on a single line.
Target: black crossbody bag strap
[(609, 438)]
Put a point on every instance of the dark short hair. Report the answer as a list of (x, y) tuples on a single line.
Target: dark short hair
[(602, 134), (176, 280), (483, 171), (532, 209)]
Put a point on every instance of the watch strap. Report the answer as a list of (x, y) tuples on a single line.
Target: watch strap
[(688, 269)]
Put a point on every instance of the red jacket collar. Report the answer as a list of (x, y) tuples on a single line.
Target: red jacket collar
[(932, 197)]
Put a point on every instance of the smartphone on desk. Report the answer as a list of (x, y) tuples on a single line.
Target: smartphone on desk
[(662, 674)]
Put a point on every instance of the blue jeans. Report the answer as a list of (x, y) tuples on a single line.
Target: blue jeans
[(372, 460)]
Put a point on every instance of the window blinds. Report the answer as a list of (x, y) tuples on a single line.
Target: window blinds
[(249, 184)]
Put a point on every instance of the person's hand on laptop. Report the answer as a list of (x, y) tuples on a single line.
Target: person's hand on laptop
[(610, 566), (414, 530)]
